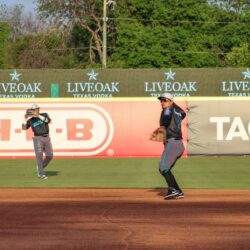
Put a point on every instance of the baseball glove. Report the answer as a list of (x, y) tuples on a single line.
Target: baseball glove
[(29, 112), (159, 135)]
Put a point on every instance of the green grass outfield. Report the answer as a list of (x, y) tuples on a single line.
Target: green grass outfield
[(193, 172)]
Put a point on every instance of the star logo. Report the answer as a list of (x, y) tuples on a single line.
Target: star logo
[(246, 74), (92, 75), (15, 76), (170, 75)]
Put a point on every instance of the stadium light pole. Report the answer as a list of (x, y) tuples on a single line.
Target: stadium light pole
[(104, 31)]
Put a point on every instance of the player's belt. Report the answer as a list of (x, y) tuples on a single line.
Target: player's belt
[(44, 135), (174, 139)]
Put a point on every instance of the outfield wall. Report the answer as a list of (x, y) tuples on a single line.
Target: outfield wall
[(109, 83), (120, 127), (115, 128), (218, 126)]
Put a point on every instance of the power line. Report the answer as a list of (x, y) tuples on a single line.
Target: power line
[(175, 21), (145, 49), (139, 19)]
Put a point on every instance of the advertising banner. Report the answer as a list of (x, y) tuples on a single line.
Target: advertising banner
[(109, 83), (121, 127), (118, 127), (218, 126)]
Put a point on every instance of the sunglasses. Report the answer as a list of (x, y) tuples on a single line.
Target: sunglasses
[(164, 100)]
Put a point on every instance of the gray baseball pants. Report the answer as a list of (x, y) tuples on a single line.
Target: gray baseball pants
[(42, 145), (173, 150)]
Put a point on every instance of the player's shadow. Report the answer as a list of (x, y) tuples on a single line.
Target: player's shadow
[(51, 173), (159, 191)]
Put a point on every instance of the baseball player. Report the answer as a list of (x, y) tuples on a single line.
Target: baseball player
[(171, 118), (39, 122)]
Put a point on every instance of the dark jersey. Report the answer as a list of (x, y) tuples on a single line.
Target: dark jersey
[(171, 119), (38, 126)]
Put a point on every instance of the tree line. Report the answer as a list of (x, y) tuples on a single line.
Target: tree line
[(140, 34)]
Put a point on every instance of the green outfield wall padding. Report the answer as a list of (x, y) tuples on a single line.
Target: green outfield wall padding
[(108, 83)]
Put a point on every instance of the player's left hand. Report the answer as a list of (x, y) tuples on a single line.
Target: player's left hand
[(29, 113)]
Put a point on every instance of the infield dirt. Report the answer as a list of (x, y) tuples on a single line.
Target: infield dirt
[(70, 219)]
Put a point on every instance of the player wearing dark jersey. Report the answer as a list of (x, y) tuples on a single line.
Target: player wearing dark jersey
[(171, 118), (39, 123)]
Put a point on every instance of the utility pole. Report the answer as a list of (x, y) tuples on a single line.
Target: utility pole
[(104, 34), (111, 4)]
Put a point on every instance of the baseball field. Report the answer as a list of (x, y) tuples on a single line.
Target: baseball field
[(114, 203)]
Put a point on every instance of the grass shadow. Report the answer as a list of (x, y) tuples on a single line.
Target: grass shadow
[(51, 173)]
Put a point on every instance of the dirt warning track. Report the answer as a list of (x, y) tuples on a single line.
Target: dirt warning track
[(123, 219)]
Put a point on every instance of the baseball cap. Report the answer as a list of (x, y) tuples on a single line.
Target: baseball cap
[(166, 96), (35, 106)]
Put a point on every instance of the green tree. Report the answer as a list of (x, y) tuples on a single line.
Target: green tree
[(44, 50), (141, 34), (21, 23), (13, 17), (4, 38), (238, 6), (166, 33), (239, 56), (81, 13)]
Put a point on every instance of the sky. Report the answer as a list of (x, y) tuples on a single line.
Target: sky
[(29, 5)]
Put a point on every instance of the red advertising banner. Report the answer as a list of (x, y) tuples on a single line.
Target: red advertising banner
[(118, 127)]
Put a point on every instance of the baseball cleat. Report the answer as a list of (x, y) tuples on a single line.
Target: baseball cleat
[(179, 196), (171, 194), (43, 177)]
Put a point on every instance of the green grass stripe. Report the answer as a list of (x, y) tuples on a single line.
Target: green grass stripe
[(209, 172)]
